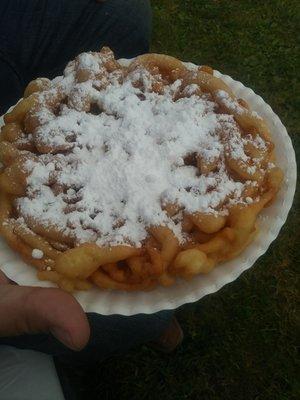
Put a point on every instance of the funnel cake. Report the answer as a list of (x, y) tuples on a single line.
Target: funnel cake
[(127, 177)]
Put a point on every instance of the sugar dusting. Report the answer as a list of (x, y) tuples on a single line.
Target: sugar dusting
[(37, 254), (122, 165)]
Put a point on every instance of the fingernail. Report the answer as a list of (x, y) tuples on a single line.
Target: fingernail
[(65, 338)]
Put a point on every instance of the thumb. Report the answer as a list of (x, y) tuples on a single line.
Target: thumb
[(33, 310)]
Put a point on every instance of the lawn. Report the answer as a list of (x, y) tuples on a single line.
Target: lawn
[(240, 343)]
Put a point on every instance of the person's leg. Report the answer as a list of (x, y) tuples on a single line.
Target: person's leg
[(40, 36), (124, 26), (28, 375)]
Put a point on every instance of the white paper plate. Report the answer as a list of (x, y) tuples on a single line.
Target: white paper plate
[(270, 223)]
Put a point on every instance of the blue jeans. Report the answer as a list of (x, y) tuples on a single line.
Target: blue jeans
[(39, 37)]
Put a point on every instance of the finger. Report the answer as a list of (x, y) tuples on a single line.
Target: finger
[(34, 310)]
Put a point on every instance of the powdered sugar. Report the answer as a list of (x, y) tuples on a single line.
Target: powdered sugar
[(123, 164), (88, 61), (37, 254)]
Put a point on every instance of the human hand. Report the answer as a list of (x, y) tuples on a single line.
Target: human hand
[(29, 310)]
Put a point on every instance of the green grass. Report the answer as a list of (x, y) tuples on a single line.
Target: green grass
[(240, 343)]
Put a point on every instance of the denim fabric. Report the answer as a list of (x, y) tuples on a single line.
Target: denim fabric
[(39, 37)]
